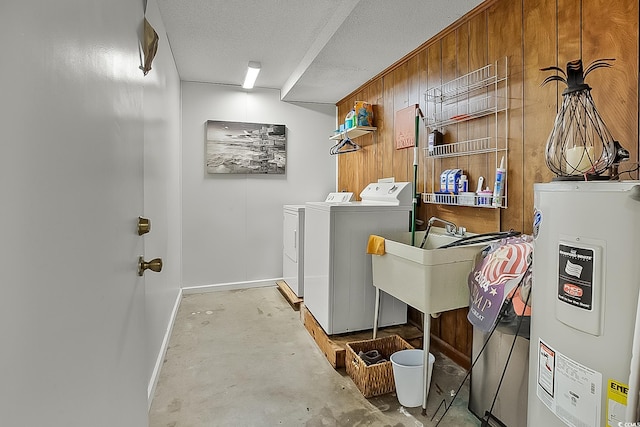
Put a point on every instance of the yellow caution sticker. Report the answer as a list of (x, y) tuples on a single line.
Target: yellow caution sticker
[(616, 403)]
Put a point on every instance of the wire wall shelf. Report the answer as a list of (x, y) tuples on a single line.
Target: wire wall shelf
[(480, 106), (472, 200), (480, 93), (464, 148), (474, 80), (477, 94)]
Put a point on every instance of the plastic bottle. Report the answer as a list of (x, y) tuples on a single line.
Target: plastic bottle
[(484, 197), (463, 184), (350, 120), (498, 186), (435, 138)]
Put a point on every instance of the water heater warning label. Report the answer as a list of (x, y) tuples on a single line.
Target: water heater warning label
[(571, 390), (575, 276)]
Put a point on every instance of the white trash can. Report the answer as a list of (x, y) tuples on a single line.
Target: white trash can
[(408, 374)]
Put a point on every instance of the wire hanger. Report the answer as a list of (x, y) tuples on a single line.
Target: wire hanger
[(346, 145)]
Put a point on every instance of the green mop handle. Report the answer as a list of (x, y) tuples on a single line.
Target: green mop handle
[(415, 177)]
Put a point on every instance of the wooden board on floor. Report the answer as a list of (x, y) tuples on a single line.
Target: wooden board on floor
[(334, 346), (289, 295), (333, 352)]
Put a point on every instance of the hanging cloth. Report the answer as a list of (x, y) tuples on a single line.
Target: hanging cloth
[(495, 277)]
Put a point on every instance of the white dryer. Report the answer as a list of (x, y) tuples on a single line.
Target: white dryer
[(293, 248), (338, 286), (293, 242)]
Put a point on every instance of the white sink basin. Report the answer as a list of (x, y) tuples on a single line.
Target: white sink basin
[(431, 280)]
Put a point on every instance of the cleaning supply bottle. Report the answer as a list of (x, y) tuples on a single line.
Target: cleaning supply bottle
[(463, 184), (350, 120), (435, 138), (498, 187)]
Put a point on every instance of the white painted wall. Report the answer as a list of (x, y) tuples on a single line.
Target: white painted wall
[(232, 224), (162, 201)]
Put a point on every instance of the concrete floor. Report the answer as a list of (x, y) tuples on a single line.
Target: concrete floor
[(244, 358)]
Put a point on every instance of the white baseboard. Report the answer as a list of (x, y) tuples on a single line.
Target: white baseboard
[(229, 286), (153, 382)]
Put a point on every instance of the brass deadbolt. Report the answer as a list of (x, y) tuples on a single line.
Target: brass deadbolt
[(144, 225), (153, 265)]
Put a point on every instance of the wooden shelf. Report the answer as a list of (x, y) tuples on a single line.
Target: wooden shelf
[(353, 132)]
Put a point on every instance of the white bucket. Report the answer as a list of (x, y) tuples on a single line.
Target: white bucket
[(408, 374)]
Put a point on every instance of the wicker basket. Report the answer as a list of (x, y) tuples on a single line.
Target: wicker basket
[(373, 380)]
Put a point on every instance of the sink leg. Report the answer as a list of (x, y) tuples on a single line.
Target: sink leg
[(425, 347), (376, 313)]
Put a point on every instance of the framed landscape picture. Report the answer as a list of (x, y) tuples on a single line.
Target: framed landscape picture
[(245, 148)]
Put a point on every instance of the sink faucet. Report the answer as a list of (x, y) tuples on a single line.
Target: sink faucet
[(450, 227)]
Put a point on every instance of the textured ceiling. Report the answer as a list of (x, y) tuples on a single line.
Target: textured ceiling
[(311, 50)]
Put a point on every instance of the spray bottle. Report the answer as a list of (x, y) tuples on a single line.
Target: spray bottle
[(498, 187)]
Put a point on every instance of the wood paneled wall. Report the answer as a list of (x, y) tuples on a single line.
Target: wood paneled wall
[(532, 34)]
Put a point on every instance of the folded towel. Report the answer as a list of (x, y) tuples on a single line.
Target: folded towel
[(375, 245)]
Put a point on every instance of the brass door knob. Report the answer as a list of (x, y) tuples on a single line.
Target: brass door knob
[(144, 225), (153, 265)]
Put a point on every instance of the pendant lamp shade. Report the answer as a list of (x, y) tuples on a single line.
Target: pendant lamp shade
[(579, 145)]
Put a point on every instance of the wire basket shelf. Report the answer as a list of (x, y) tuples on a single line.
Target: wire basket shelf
[(463, 85), (474, 146), (470, 199)]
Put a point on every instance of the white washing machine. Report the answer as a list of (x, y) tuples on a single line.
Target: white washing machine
[(338, 286), (293, 242)]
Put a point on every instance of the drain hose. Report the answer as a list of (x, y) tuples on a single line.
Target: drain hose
[(481, 238)]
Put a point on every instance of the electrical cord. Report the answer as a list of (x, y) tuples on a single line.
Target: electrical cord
[(630, 171)]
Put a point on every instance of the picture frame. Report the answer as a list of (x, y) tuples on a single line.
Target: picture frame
[(245, 148)]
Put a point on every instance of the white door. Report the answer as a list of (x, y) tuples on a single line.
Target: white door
[(161, 195), (71, 189)]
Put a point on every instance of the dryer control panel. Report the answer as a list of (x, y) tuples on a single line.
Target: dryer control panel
[(342, 197)]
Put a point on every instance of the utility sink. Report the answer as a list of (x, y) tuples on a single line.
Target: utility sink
[(431, 280)]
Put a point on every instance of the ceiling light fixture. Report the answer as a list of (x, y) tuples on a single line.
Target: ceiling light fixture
[(252, 74)]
